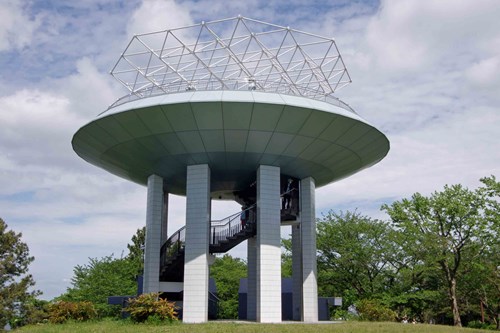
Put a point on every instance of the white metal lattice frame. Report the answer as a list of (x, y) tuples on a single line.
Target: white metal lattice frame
[(232, 54)]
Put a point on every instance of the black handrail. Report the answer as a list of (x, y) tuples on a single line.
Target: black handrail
[(219, 232), (173, 246)]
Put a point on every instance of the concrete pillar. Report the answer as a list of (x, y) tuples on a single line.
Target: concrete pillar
[(195, 302), (153, 234), (268, 245), (252, 278), (308, 239), (164, 219), (296, 272)]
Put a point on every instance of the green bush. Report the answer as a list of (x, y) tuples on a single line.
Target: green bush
[(479, 325), (33, 311), (341, 314), (148, 306), (63, 311), (373, 310)]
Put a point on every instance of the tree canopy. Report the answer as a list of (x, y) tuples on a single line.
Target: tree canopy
[(437, 258), (101, 278), (108, 276), (15, 281), (136, 249), (451, 229), (227, 272), (354, 251)]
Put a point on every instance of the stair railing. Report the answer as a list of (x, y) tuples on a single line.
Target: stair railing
[(220, 230), (173, 246)]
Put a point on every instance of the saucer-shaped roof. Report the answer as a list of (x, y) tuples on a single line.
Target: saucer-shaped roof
[(233, 132)]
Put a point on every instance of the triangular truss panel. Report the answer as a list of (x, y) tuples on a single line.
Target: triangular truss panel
[(231, 54)]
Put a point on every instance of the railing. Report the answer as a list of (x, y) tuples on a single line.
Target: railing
[(173, 246), (213, 86), (220, 230)]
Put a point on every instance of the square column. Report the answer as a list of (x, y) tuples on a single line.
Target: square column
[(195, 302), (153, 234), (296, 273), (252, 278), (164, 223), (268, 245), (308, 239)]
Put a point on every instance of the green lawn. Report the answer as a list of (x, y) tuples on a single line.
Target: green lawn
[(228, 327)]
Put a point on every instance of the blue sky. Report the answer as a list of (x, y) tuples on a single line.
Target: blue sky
[(427, 73)]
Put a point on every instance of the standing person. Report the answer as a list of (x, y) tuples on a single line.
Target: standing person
[(243, 217), (287, 195)]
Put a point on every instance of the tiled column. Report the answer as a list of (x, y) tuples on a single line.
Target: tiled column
[(308, 239), (268, 245), (296, 272), (153, 234), (252, 278), (195, 302), (164, 219)]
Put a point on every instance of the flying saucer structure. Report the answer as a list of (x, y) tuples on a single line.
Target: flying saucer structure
[(233, 109)]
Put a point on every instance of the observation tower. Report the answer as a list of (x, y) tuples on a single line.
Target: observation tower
[(234, 109)]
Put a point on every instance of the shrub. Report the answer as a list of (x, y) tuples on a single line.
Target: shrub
[(62, 311), (33, 311), (373, 310), (150, 305), (479, 325)]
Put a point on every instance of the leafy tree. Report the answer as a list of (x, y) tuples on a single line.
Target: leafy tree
[(108, 276), (286, 257), (354, 255), (442, 230), (32, 311), (136, 249), (227, 272), (101, 278), (14, 280), (480, 287)]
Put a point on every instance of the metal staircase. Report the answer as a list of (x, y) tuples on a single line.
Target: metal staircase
[(224, 235)]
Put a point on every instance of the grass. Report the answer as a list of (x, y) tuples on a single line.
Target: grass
[(230, 327)]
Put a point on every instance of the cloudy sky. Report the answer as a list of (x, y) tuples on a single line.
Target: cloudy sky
[(427, 73)]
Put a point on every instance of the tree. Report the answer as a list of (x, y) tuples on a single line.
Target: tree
[(286, 257), (227, 272), (491, 191), (442, 230), (101, 278), (14, 280), (108, 276), (354, 255), (136, 249)]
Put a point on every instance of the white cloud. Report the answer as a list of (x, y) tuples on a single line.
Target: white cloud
[(155, 15), (16, 26), (89, 91), (485, 73), (409, 35)]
